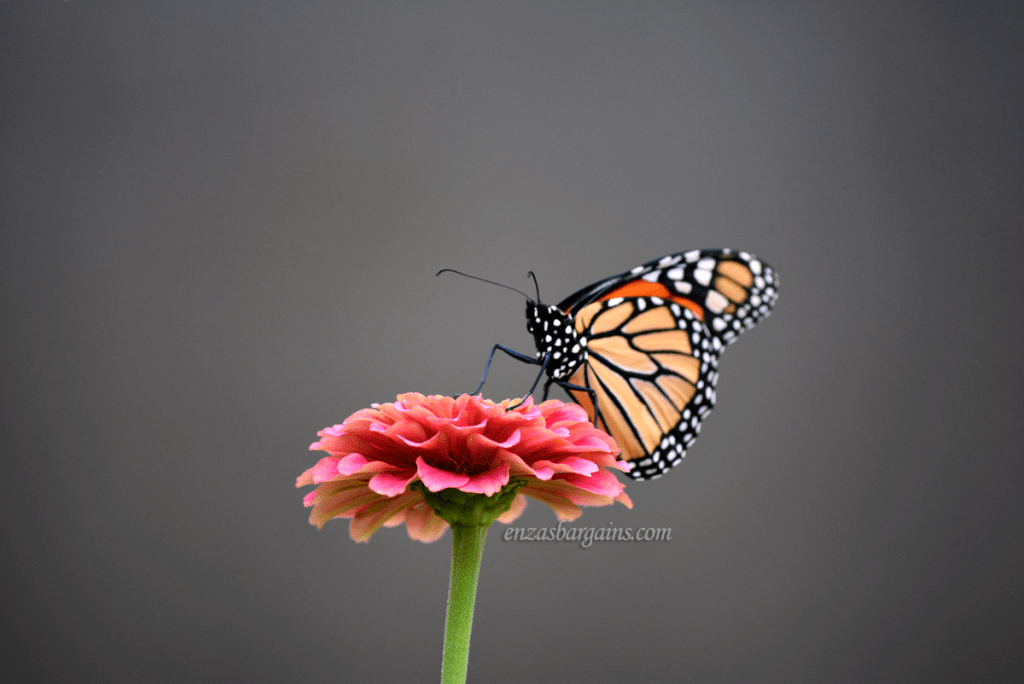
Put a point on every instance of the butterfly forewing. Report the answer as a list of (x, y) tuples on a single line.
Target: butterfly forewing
[(730, 291)]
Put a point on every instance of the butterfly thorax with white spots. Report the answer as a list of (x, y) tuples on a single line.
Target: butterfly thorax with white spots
[(554, 334)]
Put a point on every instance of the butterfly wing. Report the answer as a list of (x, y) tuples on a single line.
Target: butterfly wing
[(653, 373), (653, 336), (730, 291)]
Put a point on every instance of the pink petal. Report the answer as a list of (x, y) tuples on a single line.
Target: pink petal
[(325, 470), (519, 467), (581, 466), (333, 431), (431, 442), (540, 443), (438, 448), (564, 509), (603, 483), (351, 464), (571, 464), (544, 472), (423, 524), (343, 504), (593, 442), (370, 518), (566, 412), (329, 489), (580, 497), (510, 442), (515, 510), (361, 466), (436, 479), (396, 519), (390, 484), (488, 482), (306, 478)]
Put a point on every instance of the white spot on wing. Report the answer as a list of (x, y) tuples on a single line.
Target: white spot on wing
[(716, 302)]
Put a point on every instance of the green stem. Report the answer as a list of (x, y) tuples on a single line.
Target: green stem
[(467, 550)]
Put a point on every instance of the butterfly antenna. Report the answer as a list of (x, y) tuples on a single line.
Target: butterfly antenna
[(530, 274), (485, 280)]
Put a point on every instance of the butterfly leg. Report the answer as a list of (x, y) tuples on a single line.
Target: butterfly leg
[(543, 367), (547, 387), (579, 388), (515, 355)]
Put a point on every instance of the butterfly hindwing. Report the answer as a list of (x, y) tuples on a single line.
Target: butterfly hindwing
[(651, 366)]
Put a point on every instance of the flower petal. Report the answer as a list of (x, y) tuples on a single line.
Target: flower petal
[(351, 464), (603, 483), (390, 484), (423, 524), (564, 509), (514, 511), (570, 464), (342, 504), (325, 470), (436, 479), (488, 482), (370, 518)]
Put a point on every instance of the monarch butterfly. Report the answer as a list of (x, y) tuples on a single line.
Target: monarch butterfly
[(644, 346)]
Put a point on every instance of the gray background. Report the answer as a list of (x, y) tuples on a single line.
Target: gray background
[(220, 224)]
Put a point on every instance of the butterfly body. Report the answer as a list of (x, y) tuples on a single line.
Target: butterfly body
[(554, 333), (644, 346)]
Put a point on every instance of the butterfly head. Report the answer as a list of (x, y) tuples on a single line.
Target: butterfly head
[(554, 333)]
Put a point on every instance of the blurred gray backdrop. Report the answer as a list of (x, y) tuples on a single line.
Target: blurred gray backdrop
[(219, 228)]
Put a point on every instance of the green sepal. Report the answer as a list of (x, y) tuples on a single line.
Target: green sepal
[(462, 509)]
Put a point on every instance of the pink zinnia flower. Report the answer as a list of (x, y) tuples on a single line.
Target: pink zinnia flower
[(465, 443)]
